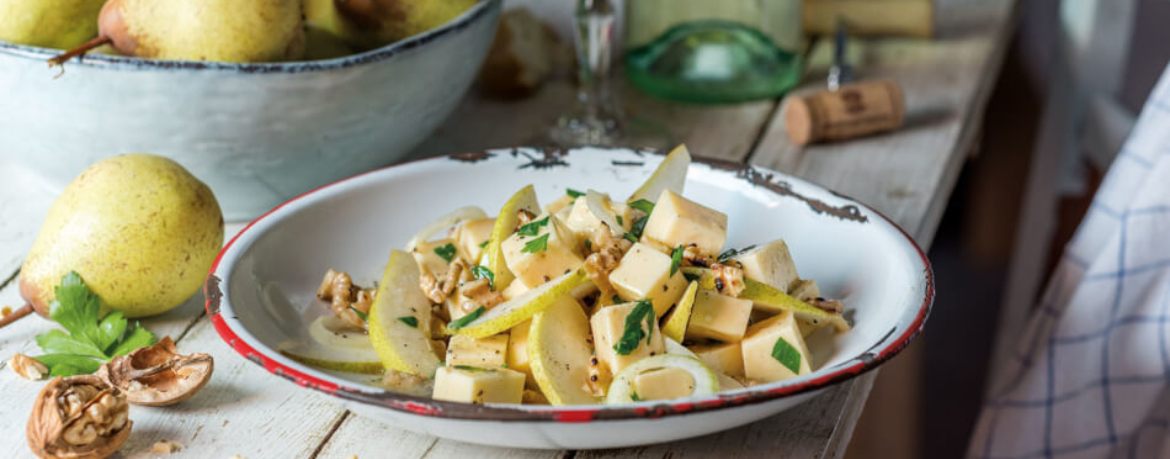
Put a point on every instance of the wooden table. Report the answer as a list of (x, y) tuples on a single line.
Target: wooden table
[(907, 175)]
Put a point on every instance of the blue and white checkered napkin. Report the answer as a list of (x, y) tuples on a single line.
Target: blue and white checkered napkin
[(1090, 376)]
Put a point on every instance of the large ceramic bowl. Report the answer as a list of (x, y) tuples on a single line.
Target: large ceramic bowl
[(261, 290), (258, 134)]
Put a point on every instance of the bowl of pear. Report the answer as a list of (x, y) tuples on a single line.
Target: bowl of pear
[(263, 99)]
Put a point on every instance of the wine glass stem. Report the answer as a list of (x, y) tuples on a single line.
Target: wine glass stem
[(594, 21)]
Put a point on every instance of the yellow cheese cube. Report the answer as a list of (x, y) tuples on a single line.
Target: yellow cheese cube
[(644, 274), (664, 384), (725, 358), (487, 352), (553, 252), (769, 263), (720, 317), (805, 290), (563, 202), (517, 357), (428, 258), (679, 221), (583, 222), (609, 325), (478, 385), (472, 236), (774, 350)]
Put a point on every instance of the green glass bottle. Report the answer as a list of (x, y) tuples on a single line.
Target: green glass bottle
[(713, 50)]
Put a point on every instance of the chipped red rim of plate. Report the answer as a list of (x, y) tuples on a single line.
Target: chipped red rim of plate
[(882, 351)]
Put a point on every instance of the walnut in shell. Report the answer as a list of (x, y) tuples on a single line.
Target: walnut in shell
[(158, 375), (79, 417)]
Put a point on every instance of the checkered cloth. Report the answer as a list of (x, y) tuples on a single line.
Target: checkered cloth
[(1090, 376)]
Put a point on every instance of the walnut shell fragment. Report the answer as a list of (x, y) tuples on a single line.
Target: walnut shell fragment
[(158, 375), (79, 417)]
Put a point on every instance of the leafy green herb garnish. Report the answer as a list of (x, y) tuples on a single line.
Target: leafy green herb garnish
[(91, 340), (482, 272), (732, 253), (691, 277), (469, 318), (787, 355), (573, 193), (636, 229), (617, 299), (484, 243), (632, 334), (469, 368), (409, 320), (676, 259), (532, 229), (620, 221), (634, 396), (643, 205), (447, 251), (365, 317), (539, 244)]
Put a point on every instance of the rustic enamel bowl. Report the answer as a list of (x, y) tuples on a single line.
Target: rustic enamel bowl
[(261, 290), (258, 134)]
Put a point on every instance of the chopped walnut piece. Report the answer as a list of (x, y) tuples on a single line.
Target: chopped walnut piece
[(610, 251), (523, 217), (479, 293), (728, 279), (165, 447), (599, 377), (437, 290), (830, 306), (338, 288), (692, 257), (28, 367)]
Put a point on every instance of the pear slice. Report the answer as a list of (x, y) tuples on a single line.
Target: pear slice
[(399, 345), (675, 325), (507, 314), (559, 352), (493, 255), (597, 206), (671, 174), (331, 331), (460, 215), (676, 348), (771, 300), (621, 390), (334, 345)]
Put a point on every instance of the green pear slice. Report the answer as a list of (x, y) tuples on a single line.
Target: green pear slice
[(493, 255), (510, 313), (769, 299), (399, 345), (597, 206), (559, 351), (334, 345), (621, 390), (671, 174), (331, 331), (675, 326)]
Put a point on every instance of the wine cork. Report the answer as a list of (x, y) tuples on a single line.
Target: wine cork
[(852, 111)]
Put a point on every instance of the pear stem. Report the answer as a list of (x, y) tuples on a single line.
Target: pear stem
[(16, 315), (80, 50)]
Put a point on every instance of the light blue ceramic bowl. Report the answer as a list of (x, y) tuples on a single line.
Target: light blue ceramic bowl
[(258, 134)]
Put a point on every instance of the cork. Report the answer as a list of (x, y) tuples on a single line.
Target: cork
[(854, 110)]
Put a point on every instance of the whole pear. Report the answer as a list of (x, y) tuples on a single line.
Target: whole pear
[(60, 24), (139, 229), (370, 24), (205, 30)]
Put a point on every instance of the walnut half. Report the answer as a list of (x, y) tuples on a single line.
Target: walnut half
[(158, 375), (79, 417)]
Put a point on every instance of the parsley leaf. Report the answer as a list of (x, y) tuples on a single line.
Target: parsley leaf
[(447, 251), (482, 272), (539, 244), (364, 316), (532, 229), (676, 259), (632, 334), (409, 320), (691, 277), (469, 318), (469, 368), (88, 339), (636, 229), (732, 253), (634, 396), (619, 219), (643, 205), (484, 243), (787, 355), (573, 193)]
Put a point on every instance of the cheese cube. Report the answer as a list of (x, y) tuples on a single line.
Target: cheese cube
[(769, 263), (805, 290), (539, 265), (725, 358), (563, 202), (583, 222), (719, 317), (609, 324), (517, 357), (644, 274), (472, 236), (487, 352), (478, 385), (679, 221), (664, 384), (774, 350), (425, 254)]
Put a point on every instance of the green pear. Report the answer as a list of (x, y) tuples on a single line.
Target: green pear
[(139, 229), (368, 24), (60, 24), (205, 30)]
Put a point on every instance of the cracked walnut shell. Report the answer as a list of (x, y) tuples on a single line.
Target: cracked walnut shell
[(158, 375), (79, 417)]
